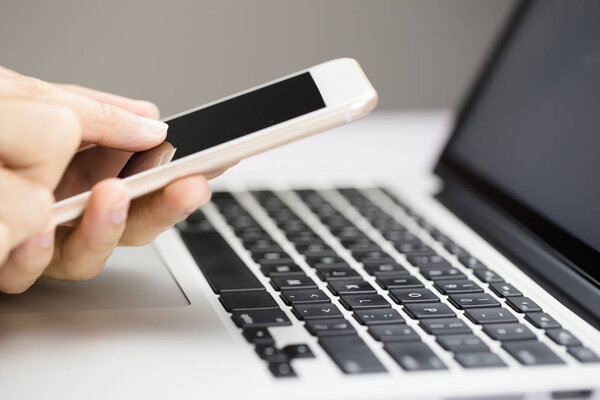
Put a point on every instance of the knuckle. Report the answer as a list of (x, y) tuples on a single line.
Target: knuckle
[(37, 87), (37, 208), (66, 128), (107, 112)]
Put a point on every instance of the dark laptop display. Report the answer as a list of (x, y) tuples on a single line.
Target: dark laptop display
[(531, 137)]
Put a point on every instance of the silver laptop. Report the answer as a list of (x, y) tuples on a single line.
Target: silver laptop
[(479, 281)]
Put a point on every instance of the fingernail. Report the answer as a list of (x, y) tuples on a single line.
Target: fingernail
[(189, 211), (154, 127), (118, 214), (46, 238), (167, 156)]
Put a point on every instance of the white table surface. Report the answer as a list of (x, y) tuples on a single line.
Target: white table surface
[(404, 141)]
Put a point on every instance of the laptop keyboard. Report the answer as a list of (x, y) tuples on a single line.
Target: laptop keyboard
[(367, 280)]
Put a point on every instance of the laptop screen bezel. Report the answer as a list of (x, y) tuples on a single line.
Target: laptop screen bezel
[(583, 258)]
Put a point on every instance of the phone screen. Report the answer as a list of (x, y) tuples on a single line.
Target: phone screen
[(197, 131)]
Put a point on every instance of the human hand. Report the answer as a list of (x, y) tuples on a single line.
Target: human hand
[(42, 125)]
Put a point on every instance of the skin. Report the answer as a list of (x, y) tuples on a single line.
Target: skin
[(42, 126)]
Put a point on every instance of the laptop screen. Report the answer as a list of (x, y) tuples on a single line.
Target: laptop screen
[(532, 131)]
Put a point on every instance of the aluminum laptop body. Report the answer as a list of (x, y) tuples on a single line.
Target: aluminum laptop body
[(477, 281)]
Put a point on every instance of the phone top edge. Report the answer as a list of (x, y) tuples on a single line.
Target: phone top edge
[(346, 62)]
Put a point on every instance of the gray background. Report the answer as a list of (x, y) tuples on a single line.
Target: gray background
[(179, 54)]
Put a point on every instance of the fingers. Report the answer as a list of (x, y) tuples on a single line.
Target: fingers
[(27, 262), (156, 212), (82, 252), (103, 124), (37, 139), (139, 107), (25, 208), (8, 72)]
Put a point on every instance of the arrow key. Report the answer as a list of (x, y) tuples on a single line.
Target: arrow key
[(329, 327), (316, 311), (362, 301), (303, 296)]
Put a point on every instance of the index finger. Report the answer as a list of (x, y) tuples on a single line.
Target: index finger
[(101, 123)]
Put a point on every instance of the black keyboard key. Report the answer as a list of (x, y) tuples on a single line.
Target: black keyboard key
[(487, 276), (455, 249), (372, 255), (504, 289), (393, 333), (270, 353), (386, 268), (400, 236), (531, 352), (398, 282), (259, 243), (265, 262), (444, 326), (414, 356), (294, 351), (362, 301), (563, 337), (435, 261), (361, 245), (316, 311), (583, 354), (442, 274), (252, 234), (329, 327), (304, 296), (269, 256), (303, 238), (258, 336), (242, 221), (523, 304), (221, 266), (358, 242), (542, 320), (378, 316), (496, 315), (462, 343), (293, 226), (281, 270), (247, 300), (329, 273), (351, 354), (282, 370), (292, 282), (324, 253), (457, 286), (260, 318), (473, 300), (429, 310), (508, 332), (327, 260), (354, 287), (471, 262), (479, 360), (417, 295), (415, 249), (313, 247)]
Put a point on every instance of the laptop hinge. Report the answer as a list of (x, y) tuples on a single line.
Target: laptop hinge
[(551, 270)]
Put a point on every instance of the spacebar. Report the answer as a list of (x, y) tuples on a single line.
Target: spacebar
[(221, 266)]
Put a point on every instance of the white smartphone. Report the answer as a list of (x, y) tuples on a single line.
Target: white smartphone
[(223, 132)]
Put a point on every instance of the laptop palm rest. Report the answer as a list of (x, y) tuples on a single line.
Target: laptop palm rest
[(134, 277)]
